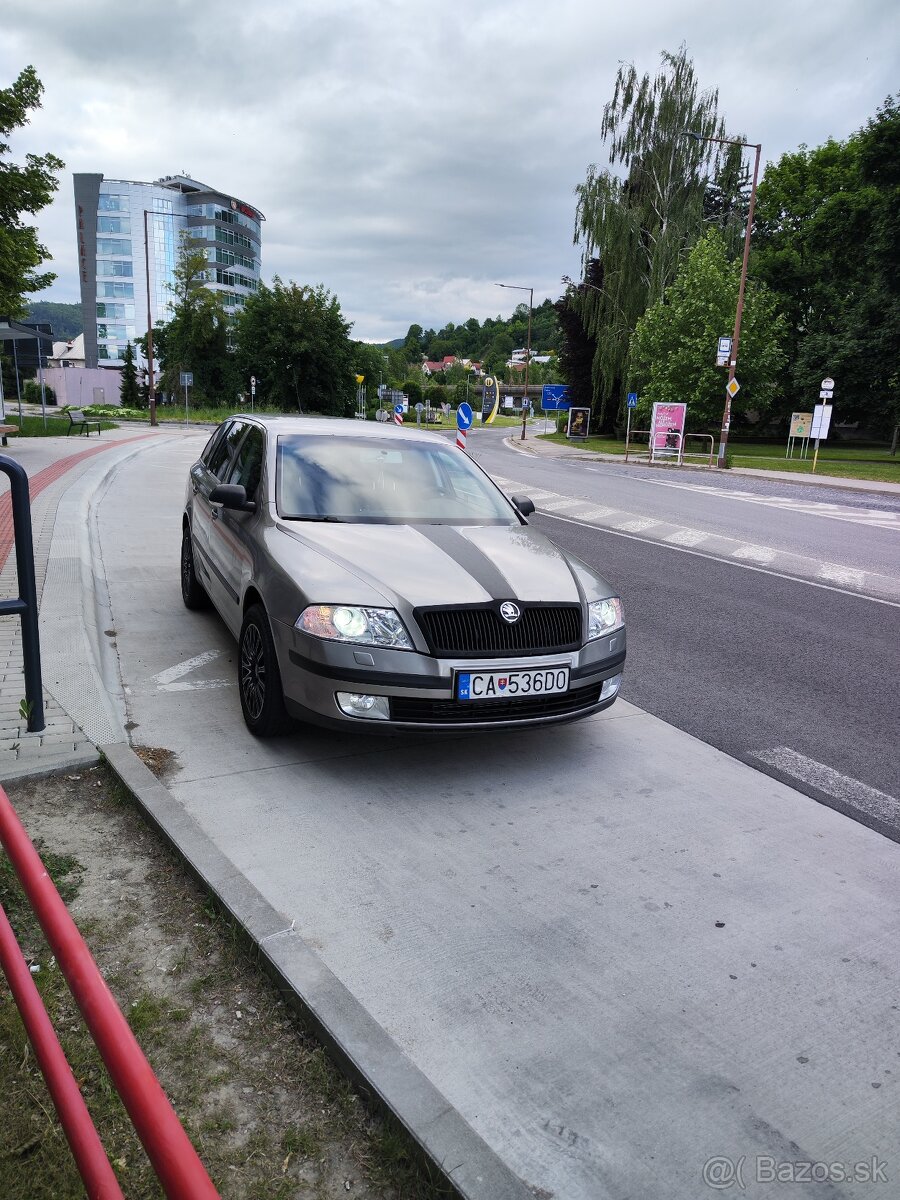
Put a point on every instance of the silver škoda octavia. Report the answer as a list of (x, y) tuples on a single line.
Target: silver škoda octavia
[(376, 577)]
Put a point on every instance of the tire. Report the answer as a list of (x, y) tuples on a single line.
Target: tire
[(193, 592), (259, 680)]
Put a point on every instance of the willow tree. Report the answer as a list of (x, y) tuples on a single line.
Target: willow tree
[(640, 215)]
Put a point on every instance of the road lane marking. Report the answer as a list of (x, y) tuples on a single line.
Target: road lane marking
[(727, 560), (165, 680), (846, 575), (639, 524), (842, 787), (873, 517), (686, 537), (758, 554)]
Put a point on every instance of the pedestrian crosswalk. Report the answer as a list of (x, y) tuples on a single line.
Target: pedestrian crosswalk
[(873, 517), (748, 554)]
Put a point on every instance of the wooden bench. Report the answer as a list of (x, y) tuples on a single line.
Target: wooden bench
[(5, 431), (77, 420)]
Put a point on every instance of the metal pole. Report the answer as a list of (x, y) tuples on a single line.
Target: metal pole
[(627, 430), (732, 363), (18, 384), (185, 404), (43, 389), (151, 389), (527, 362)]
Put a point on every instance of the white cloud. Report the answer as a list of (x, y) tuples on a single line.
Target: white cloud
[(409, 155)]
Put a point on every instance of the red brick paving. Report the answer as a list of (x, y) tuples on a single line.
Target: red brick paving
[(43, 479)]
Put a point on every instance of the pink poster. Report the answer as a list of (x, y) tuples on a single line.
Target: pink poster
[(667, 428)]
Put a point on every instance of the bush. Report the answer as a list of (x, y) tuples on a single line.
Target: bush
[(31, 393)]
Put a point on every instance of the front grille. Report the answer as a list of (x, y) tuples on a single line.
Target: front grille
[(480, 632), (450, 712)]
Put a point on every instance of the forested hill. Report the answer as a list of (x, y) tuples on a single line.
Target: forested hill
[(64, 319), (491, 341)]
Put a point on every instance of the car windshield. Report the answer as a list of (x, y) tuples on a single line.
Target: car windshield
[(322, 478)]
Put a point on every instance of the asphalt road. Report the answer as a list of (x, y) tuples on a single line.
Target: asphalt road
[(796, 679)]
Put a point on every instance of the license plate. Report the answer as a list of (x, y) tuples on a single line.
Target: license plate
[(504, 685)]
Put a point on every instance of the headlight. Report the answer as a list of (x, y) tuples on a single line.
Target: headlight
[(605, 616), (345, 623)]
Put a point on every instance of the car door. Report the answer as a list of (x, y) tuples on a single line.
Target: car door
[(234, 532), (206, 475)]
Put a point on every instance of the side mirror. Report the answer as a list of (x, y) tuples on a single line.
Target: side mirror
[(232, 495), (523, 504)]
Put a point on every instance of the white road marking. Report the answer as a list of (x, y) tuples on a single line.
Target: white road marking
[(849, 576), (686, 537), (758, 554), (197, 685), (833, 783), (560, 502), (594, 514), (874, 517), (669, 544), (638, 525), (185, 668)]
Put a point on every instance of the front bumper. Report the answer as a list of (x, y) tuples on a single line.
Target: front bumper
[(419, 687)]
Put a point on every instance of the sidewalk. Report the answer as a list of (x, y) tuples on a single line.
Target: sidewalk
[(538, 447), (52, 464)]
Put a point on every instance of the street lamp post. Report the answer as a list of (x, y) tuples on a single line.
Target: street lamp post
[(736, 337), (151, 391), (515, 288)]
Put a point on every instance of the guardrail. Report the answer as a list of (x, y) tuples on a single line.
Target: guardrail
[(173, 1158), (629, 441), (694, 454), (25, 605)]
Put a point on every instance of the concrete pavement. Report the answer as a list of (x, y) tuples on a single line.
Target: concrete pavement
[(591, 960)]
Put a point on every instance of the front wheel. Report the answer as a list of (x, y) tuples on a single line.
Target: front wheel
[(192, 591), (259, 680)]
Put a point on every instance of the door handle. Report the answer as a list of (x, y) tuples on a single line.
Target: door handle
[(214, 514), (194, 488)]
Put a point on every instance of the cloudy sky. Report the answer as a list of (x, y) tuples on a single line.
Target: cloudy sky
[(411, 155)]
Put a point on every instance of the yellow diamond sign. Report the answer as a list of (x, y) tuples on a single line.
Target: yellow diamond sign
[(732, 387)]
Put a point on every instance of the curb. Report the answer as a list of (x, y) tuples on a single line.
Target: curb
[(358, 1045)]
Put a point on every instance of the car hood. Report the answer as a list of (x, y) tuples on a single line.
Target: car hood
[(440, 564)]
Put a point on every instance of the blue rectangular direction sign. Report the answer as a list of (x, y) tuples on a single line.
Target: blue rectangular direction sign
[(555, 396)]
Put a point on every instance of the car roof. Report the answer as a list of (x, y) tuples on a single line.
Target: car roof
[(337, 427)]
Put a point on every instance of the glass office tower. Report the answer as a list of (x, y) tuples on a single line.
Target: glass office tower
[(111, 216)]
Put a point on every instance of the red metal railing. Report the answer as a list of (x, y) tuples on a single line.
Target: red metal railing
[(174, 1159)]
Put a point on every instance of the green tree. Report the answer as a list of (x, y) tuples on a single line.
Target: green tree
[(129, 394), (195, 338), (23, 190), (673, 348), (639, 223), (294, 339), (827, 240)]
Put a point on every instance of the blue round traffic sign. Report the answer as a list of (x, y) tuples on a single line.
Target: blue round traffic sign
[(398, 408), (464, 416)]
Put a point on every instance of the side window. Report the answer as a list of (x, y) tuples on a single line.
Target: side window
[(222, 451), (209, 448), (247, 466)]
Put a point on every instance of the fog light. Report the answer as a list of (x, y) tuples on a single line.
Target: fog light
[(610, 687), (370, 708)]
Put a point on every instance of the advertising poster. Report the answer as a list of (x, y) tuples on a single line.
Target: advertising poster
[(579, 422), (800, 425), (667, 430), (490, 400)]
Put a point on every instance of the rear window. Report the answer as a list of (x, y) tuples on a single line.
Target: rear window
[(384, 481)]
